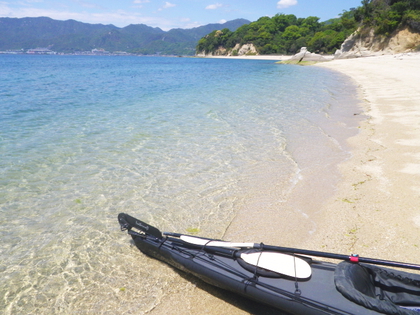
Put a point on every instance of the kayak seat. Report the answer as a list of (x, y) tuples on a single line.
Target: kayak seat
[(380, 289)]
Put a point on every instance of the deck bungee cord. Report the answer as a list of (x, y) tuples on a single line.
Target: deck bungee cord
[(203, 254)]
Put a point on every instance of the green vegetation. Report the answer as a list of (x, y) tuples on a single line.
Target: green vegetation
[(193, 230), (385, 16), (286, 34)]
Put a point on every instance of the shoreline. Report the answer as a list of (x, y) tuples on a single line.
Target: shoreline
[(251, 57), (375, 212)]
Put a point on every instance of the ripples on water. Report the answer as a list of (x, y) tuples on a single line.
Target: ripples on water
[(176, 142)]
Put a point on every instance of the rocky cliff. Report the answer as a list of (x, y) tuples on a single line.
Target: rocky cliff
[(238, 50), (364, 42)]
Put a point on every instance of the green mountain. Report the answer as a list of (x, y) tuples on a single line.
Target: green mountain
[(72, 36)]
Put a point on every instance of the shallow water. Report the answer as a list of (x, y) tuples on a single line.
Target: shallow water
[(181, 143)]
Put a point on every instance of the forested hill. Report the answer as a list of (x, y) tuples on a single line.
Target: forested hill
[(72, 36), (286, 34)]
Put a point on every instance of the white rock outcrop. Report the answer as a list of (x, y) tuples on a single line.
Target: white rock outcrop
[(247, 49), (304, 56), (364, 43), (238, 50)]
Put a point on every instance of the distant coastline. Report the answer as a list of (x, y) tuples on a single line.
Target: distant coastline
[(44, 35), (102, 52), (47, 51)]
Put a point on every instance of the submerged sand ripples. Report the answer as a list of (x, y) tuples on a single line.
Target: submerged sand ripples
[(183, 144)]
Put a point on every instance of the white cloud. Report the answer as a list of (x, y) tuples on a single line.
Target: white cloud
[(139, 3), (222, 21), (119, 18), (33, 1), (87, 4), (168, 5), (282, 4), (214, 6), (5, 11)]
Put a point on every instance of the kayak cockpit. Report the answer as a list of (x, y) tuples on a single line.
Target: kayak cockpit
[(380, 289)]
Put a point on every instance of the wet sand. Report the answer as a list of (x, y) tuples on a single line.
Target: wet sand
[(375, 211)]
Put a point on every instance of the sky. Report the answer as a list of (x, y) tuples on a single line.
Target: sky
[(171, 13)]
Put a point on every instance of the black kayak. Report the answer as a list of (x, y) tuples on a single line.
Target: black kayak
[(285, 278)]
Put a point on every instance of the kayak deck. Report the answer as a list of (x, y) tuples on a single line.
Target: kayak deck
[(221, 267)]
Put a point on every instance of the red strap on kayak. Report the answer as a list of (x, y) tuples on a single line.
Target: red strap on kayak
[(354, 258)]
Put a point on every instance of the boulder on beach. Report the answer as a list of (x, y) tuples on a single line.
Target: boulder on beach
[(305, 57)]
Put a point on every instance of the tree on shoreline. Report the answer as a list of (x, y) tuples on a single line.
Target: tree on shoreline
[(284, 34), (386, 16)]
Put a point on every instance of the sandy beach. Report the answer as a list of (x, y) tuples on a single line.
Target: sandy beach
[(375, 211), (252, 57)]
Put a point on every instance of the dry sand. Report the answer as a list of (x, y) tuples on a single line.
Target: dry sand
[(252, 57), (376, 209)]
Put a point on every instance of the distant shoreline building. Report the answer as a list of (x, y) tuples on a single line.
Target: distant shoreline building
[(100, 51), (40, 51), (12, 52)]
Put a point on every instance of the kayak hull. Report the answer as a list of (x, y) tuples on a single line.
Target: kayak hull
[(243, 283), (314, 296)]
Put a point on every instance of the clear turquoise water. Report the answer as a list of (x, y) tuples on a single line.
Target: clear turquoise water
[(177, 142)]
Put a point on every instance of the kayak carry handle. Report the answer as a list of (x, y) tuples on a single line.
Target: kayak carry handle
[(128, 222)]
